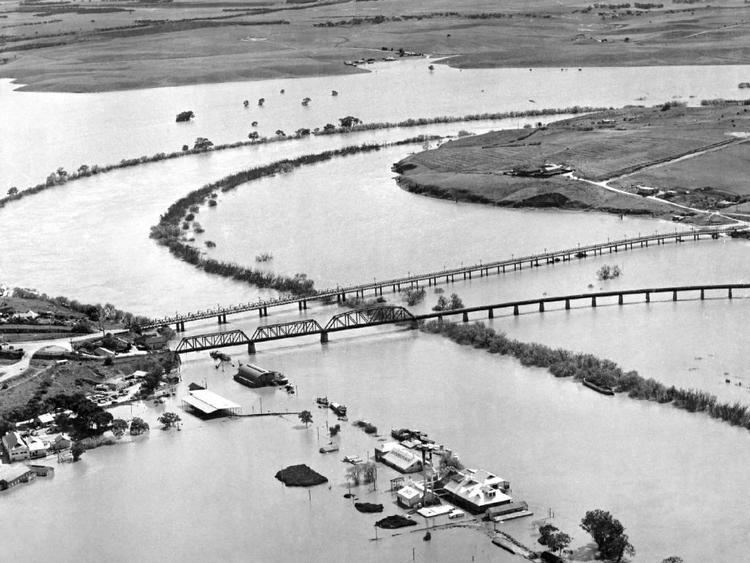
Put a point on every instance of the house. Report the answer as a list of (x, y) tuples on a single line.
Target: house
[(15, 446), (37, 448), (400, 458), (477, 490), (12, 475), (28, 315), (46, 419), (408, 496), (103, 352), (60, 442)]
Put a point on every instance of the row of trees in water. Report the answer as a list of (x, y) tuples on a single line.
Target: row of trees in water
[(602, 372), (348, 124), (169, 231)]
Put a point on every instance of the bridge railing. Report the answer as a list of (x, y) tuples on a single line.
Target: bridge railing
[(326, 293)]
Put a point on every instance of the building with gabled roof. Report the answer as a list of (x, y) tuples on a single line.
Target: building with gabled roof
[(477, 490), (16, 447), (401, 459)]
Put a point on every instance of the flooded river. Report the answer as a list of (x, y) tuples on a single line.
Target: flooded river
[(208, 492)]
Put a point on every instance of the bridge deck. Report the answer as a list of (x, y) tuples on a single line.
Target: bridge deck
[(483, 269)]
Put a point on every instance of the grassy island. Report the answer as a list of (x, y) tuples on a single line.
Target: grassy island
[(96, 46), (661, 160)]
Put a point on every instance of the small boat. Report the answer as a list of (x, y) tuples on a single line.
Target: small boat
[(321, 401), (603, 389), (431, 67), (334, 93), (353, 459), (329, 448), (289, 388)]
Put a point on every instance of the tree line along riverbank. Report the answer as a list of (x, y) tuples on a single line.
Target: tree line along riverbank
[(176, 221), (61, 177), (581, 367)]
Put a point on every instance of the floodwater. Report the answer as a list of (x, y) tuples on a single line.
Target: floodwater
[(208, 491), (45, 130)]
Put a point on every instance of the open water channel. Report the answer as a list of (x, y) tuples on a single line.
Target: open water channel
[(673, 478)]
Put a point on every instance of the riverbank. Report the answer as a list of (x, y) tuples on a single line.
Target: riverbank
[(175, 224), (164, 45), (569, 164), (61, 177), (604, 375)]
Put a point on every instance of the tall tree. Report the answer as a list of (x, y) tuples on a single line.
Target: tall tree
[(608, 533), (306, 417), (119, 427)]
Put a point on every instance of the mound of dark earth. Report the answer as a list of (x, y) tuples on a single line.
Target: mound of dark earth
[(300, 476)]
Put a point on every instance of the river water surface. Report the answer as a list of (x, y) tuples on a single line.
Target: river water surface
[(208, 492)]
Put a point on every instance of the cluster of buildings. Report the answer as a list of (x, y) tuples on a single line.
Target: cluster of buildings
[(475, 490), (10, 315), (23, 447)]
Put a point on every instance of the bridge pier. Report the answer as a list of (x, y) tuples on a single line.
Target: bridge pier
[(265, 311), (465, 317), (515, 310), (251, 347), (593, 301), (619, 299), (648, 297), (730, 293), (324, 337), (541, 306), (490, 313), (225, 318), (674, 296)]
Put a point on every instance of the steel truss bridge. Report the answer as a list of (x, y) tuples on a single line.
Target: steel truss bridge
[(383, 315), (447, 275)]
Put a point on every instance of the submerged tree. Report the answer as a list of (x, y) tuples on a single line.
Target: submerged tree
[(138, 426), (169, 419), (608, 533), (306, 417), (77, 450), (119, 427)]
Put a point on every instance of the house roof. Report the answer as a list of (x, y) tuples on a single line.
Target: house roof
[(208, 402), (35, 444), (401, 458), (408, 492), (12, 472), (46, 418), (13, 440), (478, 487)]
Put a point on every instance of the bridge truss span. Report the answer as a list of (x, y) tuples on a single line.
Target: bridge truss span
[(211, 341), (369, 317), (286, 330)]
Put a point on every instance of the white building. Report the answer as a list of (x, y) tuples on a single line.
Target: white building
[(16, 447), (477, 490), (37, 448)]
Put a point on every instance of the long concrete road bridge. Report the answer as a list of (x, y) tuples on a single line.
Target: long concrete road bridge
[(449, 275), (376, 316)]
